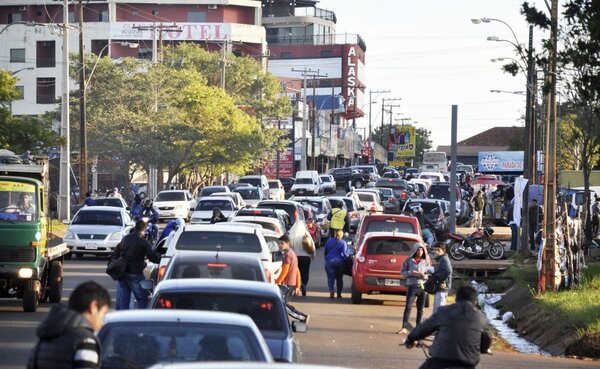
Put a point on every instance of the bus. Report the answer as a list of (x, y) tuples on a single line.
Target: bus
[(436, 158)]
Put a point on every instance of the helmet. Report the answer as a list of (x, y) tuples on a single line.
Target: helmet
[(148, 203)]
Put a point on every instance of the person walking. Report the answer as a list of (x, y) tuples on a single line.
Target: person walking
[(66, 335), (135, 249), (336, 250), (89, 200), (443, 273), (478, 204), (596, 217), (305, 253), (413, 269), (514, 227), (462, 333), (289, 279), (338, 217)]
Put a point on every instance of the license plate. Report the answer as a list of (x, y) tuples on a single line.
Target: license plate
[(91, 246), (392, 282), (300, 192)]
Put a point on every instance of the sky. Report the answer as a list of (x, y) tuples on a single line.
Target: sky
[(429, 54)]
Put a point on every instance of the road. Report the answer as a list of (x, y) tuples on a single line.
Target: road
[(356, 336)]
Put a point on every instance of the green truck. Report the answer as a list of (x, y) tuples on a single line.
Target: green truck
[(31, 266)]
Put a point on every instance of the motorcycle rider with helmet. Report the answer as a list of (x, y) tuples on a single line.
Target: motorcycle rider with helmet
[(151, 214)]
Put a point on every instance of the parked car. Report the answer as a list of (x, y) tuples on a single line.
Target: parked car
[(307, 183), (371, 169), (387, 223), (353, 208), (260, 301), (398, 185), (378, 261), (173, 204), (204, 210), (319, 204), (271, 219), (259, 181), (251, 195), (276, 190), (191, 264), (209, 190), (142, 338), (298, 228), (287, 183), (433, 176), (329, 186), (97, 230), (346, 177), (391, 204), (235, 196), (233, 186)]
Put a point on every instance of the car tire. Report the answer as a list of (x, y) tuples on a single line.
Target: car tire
[(30, 295), (356, 296), (55, 282)]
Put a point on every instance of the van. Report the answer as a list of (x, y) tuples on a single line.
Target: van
[(259, 181), (308, 183)]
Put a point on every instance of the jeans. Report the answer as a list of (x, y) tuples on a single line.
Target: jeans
[(335, 273), (414, 293), (514, 234), (532, 233), (439, 299), (128, 284), (427, 236), (304, 267)]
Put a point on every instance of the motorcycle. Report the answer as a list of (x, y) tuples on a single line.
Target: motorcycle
[(478, 244), (151, 230)]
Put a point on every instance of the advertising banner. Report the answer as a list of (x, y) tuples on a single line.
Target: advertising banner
[(500, 161), (402, 141), (189, 31)]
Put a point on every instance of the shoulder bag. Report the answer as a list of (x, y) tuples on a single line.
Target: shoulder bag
[(431, 284), (117, 265)]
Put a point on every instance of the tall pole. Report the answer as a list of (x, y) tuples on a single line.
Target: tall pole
[(83, 173), (529, 159), (531, 90), (370, 116), (303, 149), (453, 154), (64, 200), (314, 120), (382, 114)]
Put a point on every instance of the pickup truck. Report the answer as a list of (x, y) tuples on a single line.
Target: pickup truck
[(345, 176), (31, 266)]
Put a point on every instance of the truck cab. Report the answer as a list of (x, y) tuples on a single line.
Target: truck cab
[(30, 267)]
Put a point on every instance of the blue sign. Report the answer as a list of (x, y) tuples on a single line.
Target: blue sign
[(500, 161)]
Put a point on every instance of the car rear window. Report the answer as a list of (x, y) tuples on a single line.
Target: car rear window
[(207, 191), (143, 344), (216, 269), (253, 181), (304, 181), (366, 196), (390, 246), (273, 184), (211, 204), (390, 183), (227, 241), (265, 311), (171, 196), (109, 202), (248, 193), (349, 204), (257, 213), (389, 226), (266, 225), (326, 179), (288, 208), (111, 218), (439, 192), (317, 205)]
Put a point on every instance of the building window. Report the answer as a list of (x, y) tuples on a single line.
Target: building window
[(155, 12), (72, 17), (46, 91), (21, 91), (196, 17), (46, 54), (14, 18), (17, 55), (325, 53), (286, 55), (103, 16)]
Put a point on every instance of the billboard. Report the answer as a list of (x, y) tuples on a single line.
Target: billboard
[(402, 141), (500, 161)]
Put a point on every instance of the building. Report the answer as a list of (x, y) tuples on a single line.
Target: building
[(31, 36)]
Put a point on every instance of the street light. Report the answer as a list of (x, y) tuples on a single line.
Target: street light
[(509, 92), (20, 70), (132, 45), (28, 24)]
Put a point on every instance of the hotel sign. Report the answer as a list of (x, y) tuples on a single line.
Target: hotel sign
[(189, 31)]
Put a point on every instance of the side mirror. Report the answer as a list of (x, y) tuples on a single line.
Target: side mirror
[(299, 327), (147, 284), (127, 208), (277, 256)]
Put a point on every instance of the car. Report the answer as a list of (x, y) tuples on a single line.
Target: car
[(276, 190), (412, 171), (287, 183), (251, 195), (433, 176), (259, 181), (261, 301), (97, 230), (235, 196), (398, 185), (390, 202), (191, 264), (204, 210), (387, 223), (297, 229), (353, 208), (370, 199), (273, 220), (307, 183), (391, 174), (320, 206), (312, 224), (172, 204), (441, 191), (209, 190), (233, 186), (329, 186), (244, 365), (347, 177), (118, 202), (467, 168), (371, 169), (141, 338), (378, 261), (434, 210), (421, 185)]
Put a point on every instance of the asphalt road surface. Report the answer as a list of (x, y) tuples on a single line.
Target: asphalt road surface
[(340, 333)]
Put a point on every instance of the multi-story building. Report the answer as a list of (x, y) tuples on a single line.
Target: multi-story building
[(31, 36)]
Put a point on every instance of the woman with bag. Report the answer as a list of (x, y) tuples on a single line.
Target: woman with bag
[(336, 250), (413, 269)]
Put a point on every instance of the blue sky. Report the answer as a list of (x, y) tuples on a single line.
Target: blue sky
[(430, 54)]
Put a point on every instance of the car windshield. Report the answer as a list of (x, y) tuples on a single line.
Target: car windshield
[(304, 181), (207, 191), (326, 179), (248, 193), (349, 204), (211, 204), (17, 202), (252, 181), (390, 246), (98, 217), (389, 226), (224, 241), (368, 197), (170, 196), (143, 344), (109, 202), (273, 184), (316, 205), (216, 269), (428, 207), (265, 311), (439, 192)]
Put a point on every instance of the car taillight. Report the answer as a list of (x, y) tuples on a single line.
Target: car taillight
[(165, 303), (161, 272), (266, 306), (403, 196), (216, 265)]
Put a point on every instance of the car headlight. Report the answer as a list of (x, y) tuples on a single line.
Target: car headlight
[(69, 236), (116, 236)]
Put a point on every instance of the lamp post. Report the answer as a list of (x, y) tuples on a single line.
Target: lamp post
[(28, 24), (20, 70), (509, 92)]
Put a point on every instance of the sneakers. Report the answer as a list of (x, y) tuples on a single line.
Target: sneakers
[(331, 294), (307, 319), (402, 331), (303, 289)]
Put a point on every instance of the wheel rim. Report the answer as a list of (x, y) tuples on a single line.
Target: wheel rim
[(455, 252), (496, 251)]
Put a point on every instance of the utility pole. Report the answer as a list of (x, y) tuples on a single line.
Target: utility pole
[(64, 203), (314, 120), (83, 173), (303, 157), (382, 117), (370, 116)]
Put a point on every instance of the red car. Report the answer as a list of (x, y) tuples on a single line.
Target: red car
[(312, 225), (386, 223), (378, 261)]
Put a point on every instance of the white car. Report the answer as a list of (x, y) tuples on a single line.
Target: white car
[(329, 186), (235, 196), (272, 224), (370, 200), (174, 204), (206, 205), (251, 195), (97, 230), (276, 190)]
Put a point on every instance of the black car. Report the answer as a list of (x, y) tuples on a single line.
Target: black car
[(344, 176)]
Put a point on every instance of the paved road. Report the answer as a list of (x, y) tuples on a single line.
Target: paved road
[(356, 336)]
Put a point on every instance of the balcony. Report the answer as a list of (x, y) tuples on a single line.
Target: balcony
[(325, 39)]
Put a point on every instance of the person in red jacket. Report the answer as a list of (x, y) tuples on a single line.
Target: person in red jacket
[(289, 280)]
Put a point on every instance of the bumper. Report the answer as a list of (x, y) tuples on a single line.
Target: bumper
[(369, 283), (172, 214), (95, 248)]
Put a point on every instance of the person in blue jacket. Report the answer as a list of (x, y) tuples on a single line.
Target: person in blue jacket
[(336, 250)]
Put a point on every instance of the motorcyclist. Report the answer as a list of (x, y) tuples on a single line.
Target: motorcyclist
[(427, 226), (149, 212), (171, 227), (462, 333), (136, 207)]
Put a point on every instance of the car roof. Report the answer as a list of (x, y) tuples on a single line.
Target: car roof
[(226, 257), (217, 227), (309, 198), (218, 285), (165, 191), (175, 316), (102, 208), (254, 217), (403, 235), (213, 198)]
